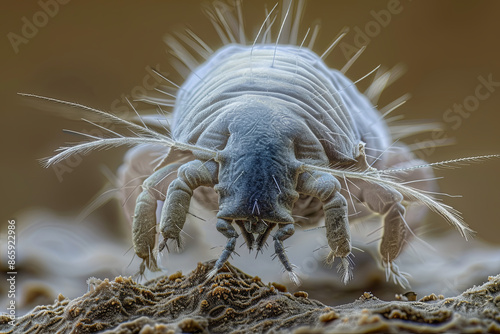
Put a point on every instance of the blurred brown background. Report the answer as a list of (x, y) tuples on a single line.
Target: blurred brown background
[(92, 52)]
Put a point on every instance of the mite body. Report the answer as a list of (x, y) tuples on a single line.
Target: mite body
[(269, 112), (280, 138)]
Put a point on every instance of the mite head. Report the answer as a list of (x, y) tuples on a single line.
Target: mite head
[(257, 170)]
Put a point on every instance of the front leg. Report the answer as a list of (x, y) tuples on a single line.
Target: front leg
[(326, 188), (226, 228), (284, 232), (189, 177)]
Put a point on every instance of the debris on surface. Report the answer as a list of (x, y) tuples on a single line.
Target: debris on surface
[(234, 302)]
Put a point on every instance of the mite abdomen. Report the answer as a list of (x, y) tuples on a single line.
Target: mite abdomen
[(337, 114)]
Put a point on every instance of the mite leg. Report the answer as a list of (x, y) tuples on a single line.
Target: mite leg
[(401, 217), (226, 228), (284, 232), (326, 188), (144, 218), (338, 233), (189, 177), (387, 202)]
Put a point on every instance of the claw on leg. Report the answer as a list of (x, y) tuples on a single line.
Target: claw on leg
[(163, 244), (393, 273), (344, 268), (294, 278)]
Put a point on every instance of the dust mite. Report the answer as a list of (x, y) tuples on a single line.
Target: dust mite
[(277, 134)]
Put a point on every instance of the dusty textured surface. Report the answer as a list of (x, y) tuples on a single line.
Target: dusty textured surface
[(235, 302), (84, 250)]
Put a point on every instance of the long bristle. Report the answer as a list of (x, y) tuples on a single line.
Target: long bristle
[(143, 135), (373, 176)]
